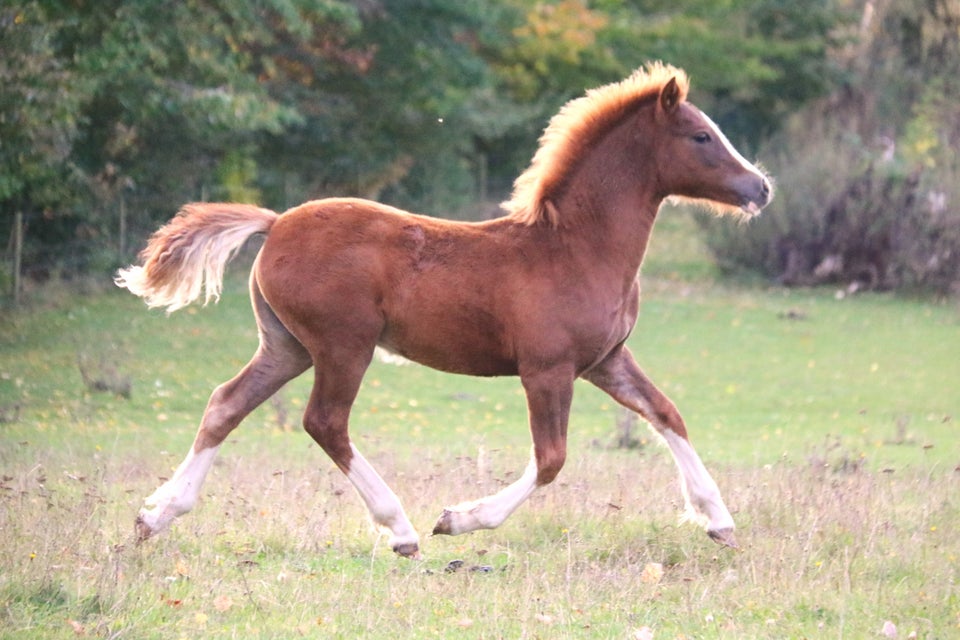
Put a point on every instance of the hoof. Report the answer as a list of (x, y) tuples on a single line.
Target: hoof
[(142, 529), (724, 537), (444, 524), (408, 550)]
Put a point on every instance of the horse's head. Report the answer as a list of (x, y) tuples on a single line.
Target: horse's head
[(671, 148), (699, 163)]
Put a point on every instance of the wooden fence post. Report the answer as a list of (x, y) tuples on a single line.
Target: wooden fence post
[(17, 255), (122, 244)]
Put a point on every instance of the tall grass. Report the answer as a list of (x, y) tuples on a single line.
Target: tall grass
[(280, 548), (829, 425)]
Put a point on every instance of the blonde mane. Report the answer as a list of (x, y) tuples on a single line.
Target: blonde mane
[(573, 130)]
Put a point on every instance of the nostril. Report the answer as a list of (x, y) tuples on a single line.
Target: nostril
[(765, 187)]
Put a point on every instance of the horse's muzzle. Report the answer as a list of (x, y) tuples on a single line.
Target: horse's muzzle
[(757, 195)]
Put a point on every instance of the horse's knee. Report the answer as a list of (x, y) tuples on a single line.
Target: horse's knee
[(221, 408), (331, 434), (319, 428), (549, 463)]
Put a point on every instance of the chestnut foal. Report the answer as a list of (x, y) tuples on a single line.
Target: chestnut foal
[(549, 292)]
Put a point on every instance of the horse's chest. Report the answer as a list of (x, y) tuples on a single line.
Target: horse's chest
[(614, 328)]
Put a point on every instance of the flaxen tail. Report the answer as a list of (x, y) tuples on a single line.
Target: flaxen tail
[(190, 252)]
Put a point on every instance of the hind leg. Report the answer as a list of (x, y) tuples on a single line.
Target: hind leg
[(339, 367), (279, 359)]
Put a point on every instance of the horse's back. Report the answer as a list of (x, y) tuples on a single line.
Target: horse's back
[(432, 290), (360, 239)]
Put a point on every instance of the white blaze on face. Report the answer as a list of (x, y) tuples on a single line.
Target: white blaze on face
[(747, 166)]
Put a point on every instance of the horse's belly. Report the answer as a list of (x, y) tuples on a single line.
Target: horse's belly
[(471, 346)]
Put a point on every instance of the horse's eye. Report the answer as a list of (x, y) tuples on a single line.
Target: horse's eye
[(702, 137)]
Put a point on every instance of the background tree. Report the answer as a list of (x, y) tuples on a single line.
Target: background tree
[(868, 176), (39, 119), (384, 103), (121, 109), (148, 96)]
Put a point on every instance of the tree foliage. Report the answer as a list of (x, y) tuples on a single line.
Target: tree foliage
[(121, 106), (38, 110)]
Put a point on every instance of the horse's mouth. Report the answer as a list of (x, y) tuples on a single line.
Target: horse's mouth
[(757, 199), (751, 209)]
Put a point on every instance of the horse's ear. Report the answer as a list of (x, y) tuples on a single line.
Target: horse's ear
[(670, 96)]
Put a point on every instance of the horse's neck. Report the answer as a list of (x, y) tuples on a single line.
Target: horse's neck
[(612, 202), (619, 233), (612, 216)]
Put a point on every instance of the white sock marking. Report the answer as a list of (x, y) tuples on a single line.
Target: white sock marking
[(704, 504), (382, 503), (491, 511), (178, 494)]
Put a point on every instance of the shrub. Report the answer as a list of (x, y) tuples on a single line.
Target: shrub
[(869, 180), (846, 212)]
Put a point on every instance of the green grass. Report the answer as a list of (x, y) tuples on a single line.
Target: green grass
[(830, 425)]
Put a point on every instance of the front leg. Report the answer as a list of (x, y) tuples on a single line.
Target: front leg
[(621, 377), (177, 495), (491, 511), (549, 394)]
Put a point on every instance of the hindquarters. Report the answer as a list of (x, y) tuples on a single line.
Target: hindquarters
[(319, 271)]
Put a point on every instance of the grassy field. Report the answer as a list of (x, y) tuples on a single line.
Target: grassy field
[(829, 423)]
